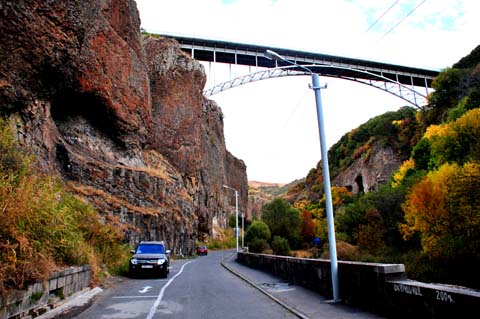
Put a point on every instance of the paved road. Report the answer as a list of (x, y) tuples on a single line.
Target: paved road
[(195, 288)]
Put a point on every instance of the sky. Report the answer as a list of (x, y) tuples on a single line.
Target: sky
[(271, 124)]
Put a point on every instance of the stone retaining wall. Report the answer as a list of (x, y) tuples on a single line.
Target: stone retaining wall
[(380, 288), (42, 296)]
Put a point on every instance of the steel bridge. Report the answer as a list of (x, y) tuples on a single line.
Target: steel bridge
[(408, 83)]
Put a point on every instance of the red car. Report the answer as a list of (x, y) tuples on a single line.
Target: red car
[(202, 250)]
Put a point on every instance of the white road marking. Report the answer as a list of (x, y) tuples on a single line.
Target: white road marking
[(160, 295), (145, 289), (134, 297)]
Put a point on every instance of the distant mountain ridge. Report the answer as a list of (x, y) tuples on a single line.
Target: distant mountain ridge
[(260, 193), (264, 184)]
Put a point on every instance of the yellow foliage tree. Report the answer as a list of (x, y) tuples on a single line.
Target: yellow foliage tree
[(402, 171), (469, 123), (457, 141), (439, 131), (301, 204), (321, 228)]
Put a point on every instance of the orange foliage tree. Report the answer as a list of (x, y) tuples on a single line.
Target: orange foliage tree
[(340, 196), (308, 225), (444, 208), (369, 236)]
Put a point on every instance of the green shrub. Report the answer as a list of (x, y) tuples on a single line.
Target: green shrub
[(258, 245), (257, 229), (232, 221), (280, 246)]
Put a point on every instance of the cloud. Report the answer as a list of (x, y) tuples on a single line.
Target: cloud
[(336, 27)]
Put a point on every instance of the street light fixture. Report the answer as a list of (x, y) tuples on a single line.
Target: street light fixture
[(315, 86), (236, 213)]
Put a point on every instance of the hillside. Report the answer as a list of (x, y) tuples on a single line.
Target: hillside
[(406, 184), (364, 158)]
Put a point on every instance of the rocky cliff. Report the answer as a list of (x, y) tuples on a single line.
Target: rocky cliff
[(369, 171), (119, 116)]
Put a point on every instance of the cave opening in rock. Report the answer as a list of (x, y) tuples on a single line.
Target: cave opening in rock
[(63, 159), (71, 106), (359, 182)]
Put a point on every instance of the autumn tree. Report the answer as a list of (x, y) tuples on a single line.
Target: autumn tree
[(369, 236), (387, 201), (321, 229), (308, 226), (444, 209), (457, 141)]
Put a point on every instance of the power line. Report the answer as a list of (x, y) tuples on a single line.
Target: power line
[(371, 26), (297, 106), (403, 19)]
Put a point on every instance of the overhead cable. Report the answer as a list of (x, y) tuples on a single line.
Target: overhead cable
[(371, 26), (386, 33)]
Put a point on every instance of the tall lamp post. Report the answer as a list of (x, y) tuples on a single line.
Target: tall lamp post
[(315, 86), (236, 213), (243, 230)]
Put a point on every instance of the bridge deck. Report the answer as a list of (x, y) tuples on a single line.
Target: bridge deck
[(253, 55)]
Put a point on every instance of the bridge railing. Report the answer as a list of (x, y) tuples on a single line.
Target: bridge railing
[(380, 288)]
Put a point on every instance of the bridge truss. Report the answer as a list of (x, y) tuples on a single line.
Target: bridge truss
[(407, 93)]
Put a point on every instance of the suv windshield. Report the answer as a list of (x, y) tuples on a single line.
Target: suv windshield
[(150, 249)]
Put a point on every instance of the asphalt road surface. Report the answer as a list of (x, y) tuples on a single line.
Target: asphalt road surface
[(195, 288)]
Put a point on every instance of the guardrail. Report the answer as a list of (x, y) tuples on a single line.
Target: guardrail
[(40, 297), (379, 288)]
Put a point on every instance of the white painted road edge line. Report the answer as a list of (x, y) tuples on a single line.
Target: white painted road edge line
[(133, 297), (160, 295)]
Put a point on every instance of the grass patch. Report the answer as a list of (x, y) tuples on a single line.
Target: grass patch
[(36, 296), (226, 240), (44, 228)]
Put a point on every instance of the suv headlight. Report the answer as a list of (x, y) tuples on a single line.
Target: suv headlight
[(160, 261), (133, 261)]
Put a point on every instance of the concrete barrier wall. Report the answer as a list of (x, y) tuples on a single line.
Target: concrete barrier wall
[(42, 296), (380, 288)]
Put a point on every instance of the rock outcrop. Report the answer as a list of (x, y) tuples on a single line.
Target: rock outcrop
[(122, 118), (368, 172)]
